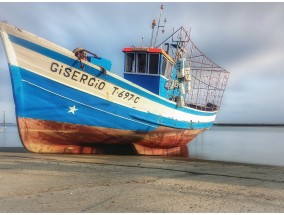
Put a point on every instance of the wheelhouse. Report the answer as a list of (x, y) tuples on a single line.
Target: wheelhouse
[(150, 68)]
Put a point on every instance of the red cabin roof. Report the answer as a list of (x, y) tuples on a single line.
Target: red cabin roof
[(150, 50)]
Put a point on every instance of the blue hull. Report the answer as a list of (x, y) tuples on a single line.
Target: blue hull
[(64, 107), (40, 98)]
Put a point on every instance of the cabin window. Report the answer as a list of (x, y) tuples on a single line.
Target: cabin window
[(154, 63), (141, 62), (166, 68), (129, 62)]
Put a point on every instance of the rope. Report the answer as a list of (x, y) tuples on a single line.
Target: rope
[(81, 55)]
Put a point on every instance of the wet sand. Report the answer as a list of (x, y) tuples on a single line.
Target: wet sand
[(109, 183)]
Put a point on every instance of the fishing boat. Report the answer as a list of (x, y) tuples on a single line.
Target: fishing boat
[(72, 102)]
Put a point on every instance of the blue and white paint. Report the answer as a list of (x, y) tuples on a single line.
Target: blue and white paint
[(49, 84)]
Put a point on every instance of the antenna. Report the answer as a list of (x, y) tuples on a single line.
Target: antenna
[(160, 26), (142, 43)]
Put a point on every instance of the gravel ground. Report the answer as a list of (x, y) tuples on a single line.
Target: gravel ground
[(108, 183)]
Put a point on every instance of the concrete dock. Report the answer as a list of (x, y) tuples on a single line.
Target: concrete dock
[(108, 183)]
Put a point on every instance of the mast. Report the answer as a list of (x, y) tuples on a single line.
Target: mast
[(152, 44)]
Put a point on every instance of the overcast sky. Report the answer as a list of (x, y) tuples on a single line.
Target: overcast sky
[(247, 39)]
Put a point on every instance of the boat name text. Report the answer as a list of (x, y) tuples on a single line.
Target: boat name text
[(77, 76), (91, 81)]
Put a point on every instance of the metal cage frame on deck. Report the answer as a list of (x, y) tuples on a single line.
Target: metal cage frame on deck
[(208, 81)]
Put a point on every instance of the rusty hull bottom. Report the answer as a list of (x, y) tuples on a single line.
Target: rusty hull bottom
[(43, 136)]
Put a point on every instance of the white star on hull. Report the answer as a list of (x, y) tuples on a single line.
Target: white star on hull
[(72, 110)]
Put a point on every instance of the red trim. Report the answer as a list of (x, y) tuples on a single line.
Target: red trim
[(127, 49), (155, 50), (152, 50), (149, 50)]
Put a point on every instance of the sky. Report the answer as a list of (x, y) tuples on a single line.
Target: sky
[(247, 39)]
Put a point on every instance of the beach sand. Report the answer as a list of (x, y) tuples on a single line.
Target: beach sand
[(108, 183)]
